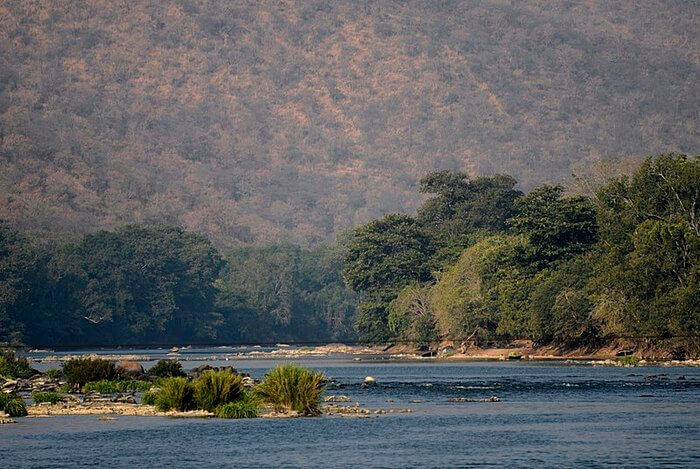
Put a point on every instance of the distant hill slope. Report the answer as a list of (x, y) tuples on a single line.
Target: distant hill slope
[(266, 121)]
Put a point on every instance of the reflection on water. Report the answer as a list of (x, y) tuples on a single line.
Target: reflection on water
[(550, 415)]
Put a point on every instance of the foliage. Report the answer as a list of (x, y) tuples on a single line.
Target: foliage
[(648, 264), (245, 408), (557, 227), (382, 257), (148, 281), (13, 405), (215, 388), (411, 317), (13, 367), (115, 386), (51, 397), (79, 371), (175, 393), (291, 387), (149, 398), (166, 368), (461, 295), (53, 373), (285, 293), (629, 360), (462, 208)]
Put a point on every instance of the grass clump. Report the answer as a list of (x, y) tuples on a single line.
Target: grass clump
[(114, 386), (215, 388), (629, 360), (13, 405), (166, 369), (244, 408), (291, 387), (13, 367), (80, 371), (53, 373), (51, 397), (149, 398), (175, 394)]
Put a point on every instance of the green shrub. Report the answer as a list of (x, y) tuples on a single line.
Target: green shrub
[(13, 367), (114, 386), (245, 408), (13, 405), (80, 371), (166, 369), (215, 388), (629, 360), (149, 398), (53, 373), (175, 393), (51, 397), (66, 389), (291, 387)]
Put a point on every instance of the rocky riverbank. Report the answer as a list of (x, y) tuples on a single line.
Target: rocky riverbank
[(106, 407)]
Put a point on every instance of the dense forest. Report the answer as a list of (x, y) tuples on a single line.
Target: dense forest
[(479, 261), (482, 261), (258, 122), (160, 284)]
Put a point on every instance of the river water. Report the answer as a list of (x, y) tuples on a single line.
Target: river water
[(550, 415)]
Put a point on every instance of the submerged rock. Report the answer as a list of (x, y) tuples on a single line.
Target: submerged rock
[(471, 399), (337, 399)]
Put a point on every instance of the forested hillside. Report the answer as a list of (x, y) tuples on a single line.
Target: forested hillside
[(283, 121)]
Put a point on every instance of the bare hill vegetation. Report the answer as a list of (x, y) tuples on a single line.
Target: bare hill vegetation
[(273, 121)]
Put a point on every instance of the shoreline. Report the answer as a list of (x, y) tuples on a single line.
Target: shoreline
[(445, 351)]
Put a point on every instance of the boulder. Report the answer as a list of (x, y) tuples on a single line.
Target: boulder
[(370, 380), (127, 367)]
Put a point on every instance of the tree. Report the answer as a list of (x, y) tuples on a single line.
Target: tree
[(647, 279), (17, 261), (387, 254), (144, 282), (557, 227), (382, 257), (411, 315), (464, 210)]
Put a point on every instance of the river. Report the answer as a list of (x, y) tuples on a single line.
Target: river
[(550, 415)]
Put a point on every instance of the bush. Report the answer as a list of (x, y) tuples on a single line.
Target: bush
[(111, 387), (53, 373), (291, 387), (175, 393), (13, 405), (166, 369), (13, 367), (149, 398), (215, 388), (629, 360), (245, 408), (51, 397), (80, 371)]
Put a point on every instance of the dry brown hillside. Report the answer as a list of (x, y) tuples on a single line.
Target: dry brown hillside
[(267, 121)]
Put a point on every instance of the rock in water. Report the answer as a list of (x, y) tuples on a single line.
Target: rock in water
[(370, 380)]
